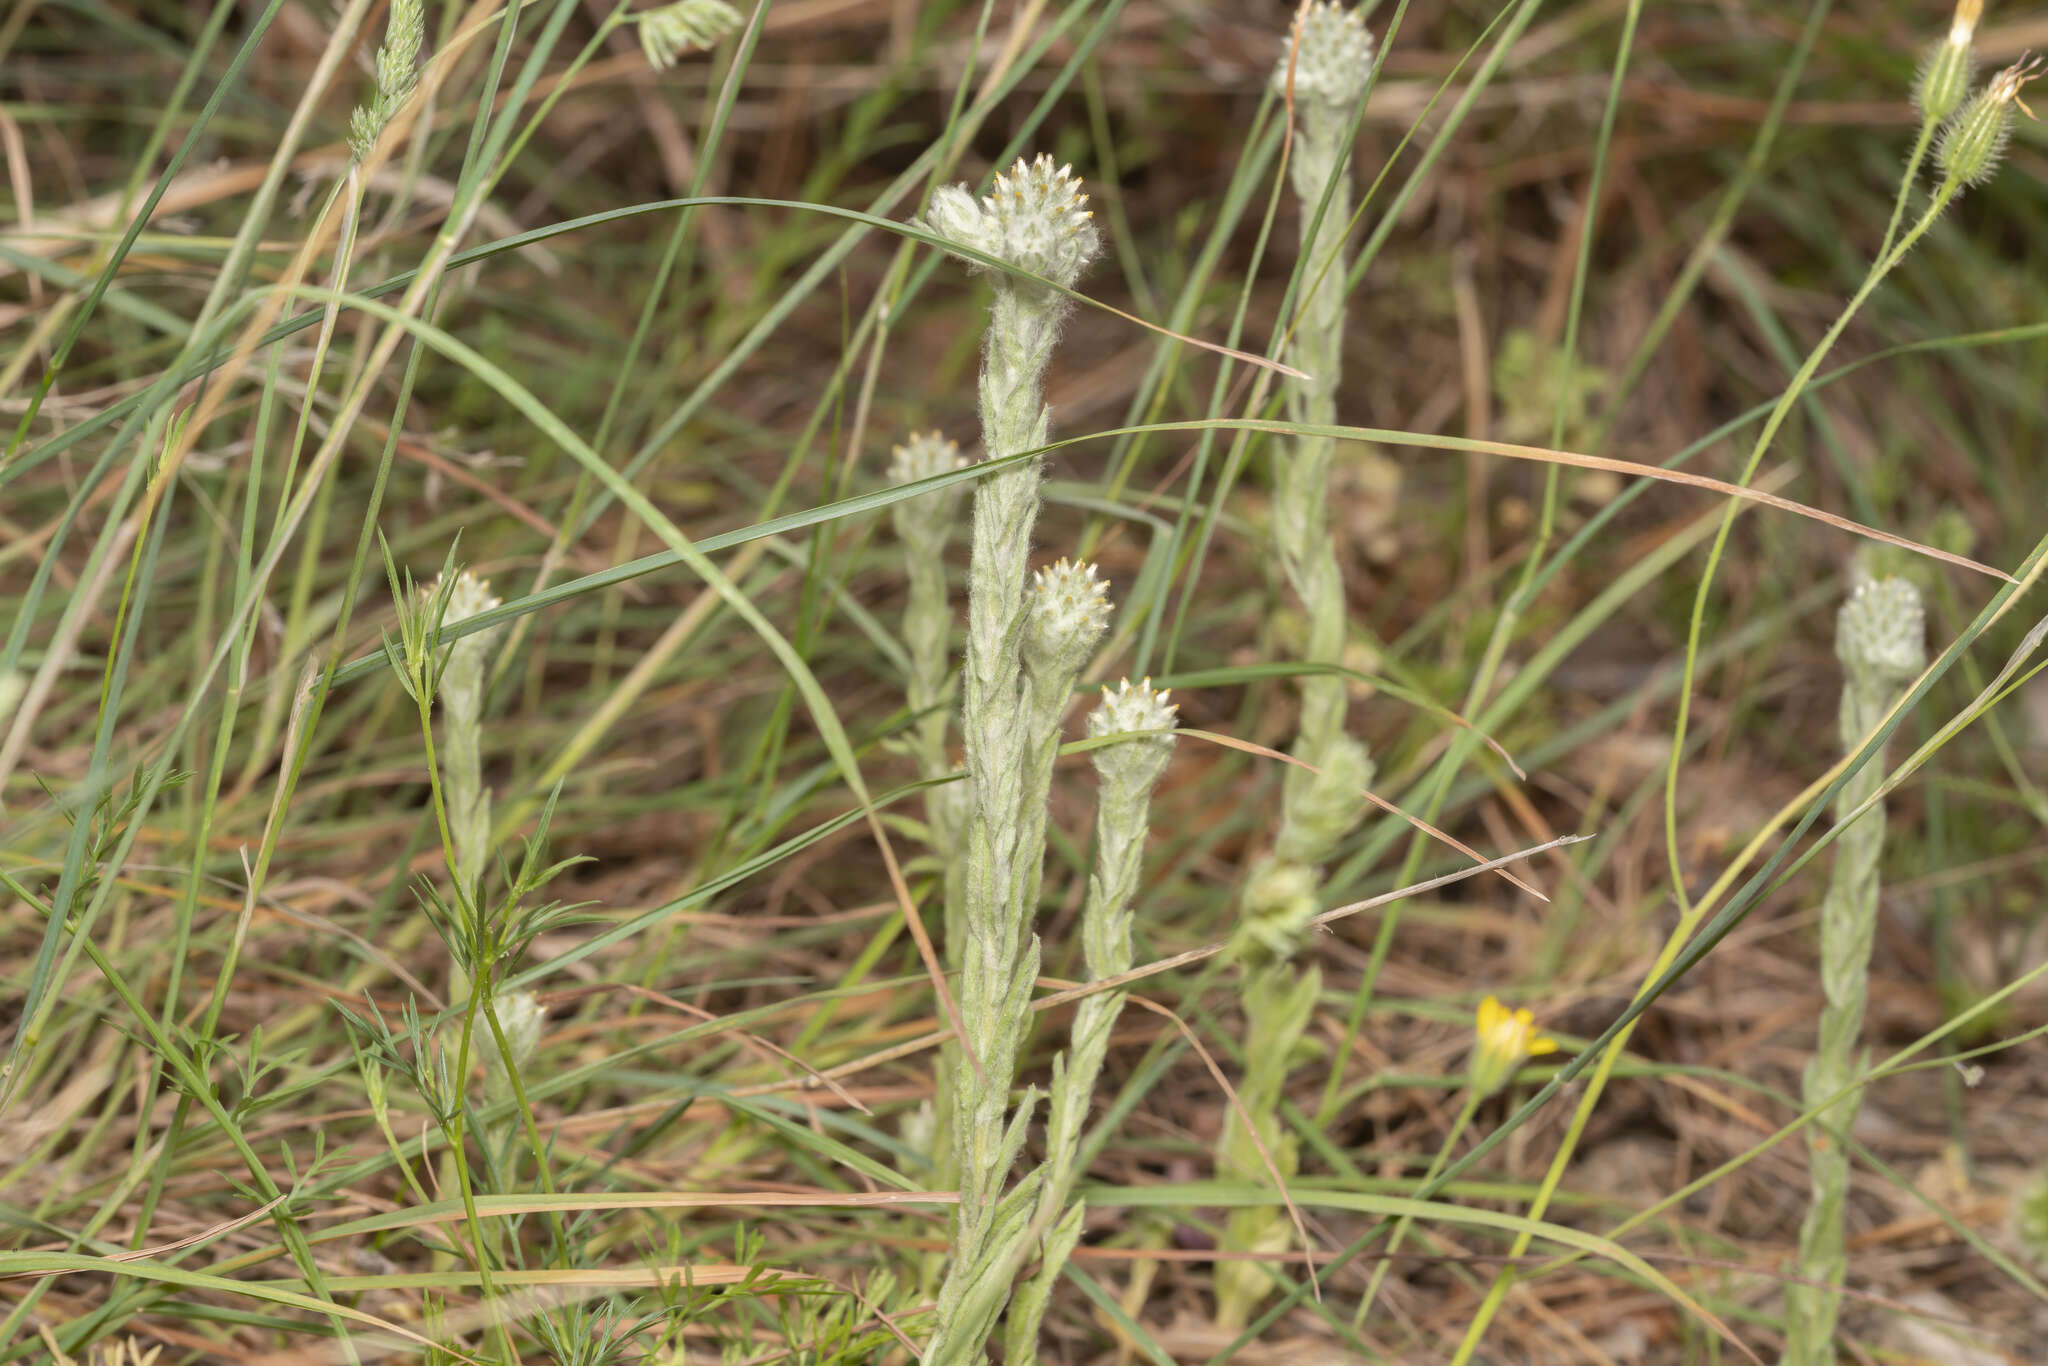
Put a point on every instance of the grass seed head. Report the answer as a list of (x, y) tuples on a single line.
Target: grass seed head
[(666, 34), (397, 70)]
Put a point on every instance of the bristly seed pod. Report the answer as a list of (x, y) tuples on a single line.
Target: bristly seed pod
[(1945, 76), (1975, 139)]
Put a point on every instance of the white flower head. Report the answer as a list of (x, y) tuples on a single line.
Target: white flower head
[(1068, 612), (470, 597), (1880, 633), (1332, 60), (1145, 717), (1133, 709), (923, 455), (1034, 219)]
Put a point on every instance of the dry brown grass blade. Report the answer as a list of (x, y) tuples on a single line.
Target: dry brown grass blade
[(1382, 803), (1545, 455)]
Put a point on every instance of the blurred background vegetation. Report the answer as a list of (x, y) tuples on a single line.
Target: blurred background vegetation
[(241, 874)]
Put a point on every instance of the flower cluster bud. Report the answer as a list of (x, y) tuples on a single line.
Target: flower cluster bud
[(1880, 634), (1328, 58), (1145, 717), (1032, 219), (1068, 612)]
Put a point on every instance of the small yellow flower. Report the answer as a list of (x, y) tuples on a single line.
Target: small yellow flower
[(1504, 1040)]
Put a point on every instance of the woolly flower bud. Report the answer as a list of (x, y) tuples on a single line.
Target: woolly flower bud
[(686, 26), (520, 1016), (1279, 901), (1330, 54), (470, 597), (1067, 614), (1879, 633), (1503, 1040), (925, 522), (925, 454), (1945, 75), (1322, 808), (1142, 712), (1033, 220), (1975, 139)]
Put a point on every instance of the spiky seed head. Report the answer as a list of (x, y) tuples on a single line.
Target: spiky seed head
[(397, 75), (1880, 633), (1143, 713), (1067, 614), (686, 26), (1034, 219), (1330, 54), (1975, 139)]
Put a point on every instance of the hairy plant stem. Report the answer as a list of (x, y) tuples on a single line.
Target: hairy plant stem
[(1014, 684), (1320, 802), (1879, 640), (1127, 773)]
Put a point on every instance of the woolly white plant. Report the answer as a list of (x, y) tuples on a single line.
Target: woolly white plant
[(1024, 650), (460, 698), (1879, 637), (1139, 719), (924, 525), (1328, 66)]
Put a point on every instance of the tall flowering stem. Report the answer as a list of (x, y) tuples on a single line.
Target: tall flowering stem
[(1127, 772), (924, 526), (1327, 69), (1024, 650), (1879, 639)]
